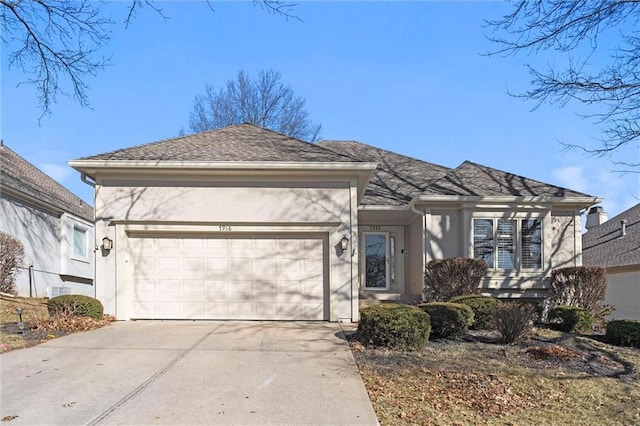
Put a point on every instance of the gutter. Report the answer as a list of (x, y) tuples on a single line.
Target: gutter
[(88, 180)]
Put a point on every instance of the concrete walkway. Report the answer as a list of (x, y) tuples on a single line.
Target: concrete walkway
[(188, 373)]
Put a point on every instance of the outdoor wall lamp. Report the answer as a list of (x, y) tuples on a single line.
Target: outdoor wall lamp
[(107, 243), (344, 243)]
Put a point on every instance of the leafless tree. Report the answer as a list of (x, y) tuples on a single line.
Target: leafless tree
[(612, 91), (56, 44), (11, 256), (264, 101)]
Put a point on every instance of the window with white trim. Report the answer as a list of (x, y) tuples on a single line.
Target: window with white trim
[(79, 242), (508, 243)]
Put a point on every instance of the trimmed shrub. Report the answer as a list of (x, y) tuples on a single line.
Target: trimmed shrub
[(483, 307), (571, 319), (623, 333), (394, 326), (447, 278), (448, 319), (75, 304), (11, 256), (514, 320), (581, 286)]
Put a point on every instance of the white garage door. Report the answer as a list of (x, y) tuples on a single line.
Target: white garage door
[(228, 278)]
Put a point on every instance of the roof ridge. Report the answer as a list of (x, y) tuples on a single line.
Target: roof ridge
[(203, 133), (384, 150), (48, 181), (520, 176)]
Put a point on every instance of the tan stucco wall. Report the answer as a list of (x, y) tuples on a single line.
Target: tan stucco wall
[(623, 291), (256, 207), (450, 234), (445, 229)]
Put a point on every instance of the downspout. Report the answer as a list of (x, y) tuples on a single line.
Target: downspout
[(91, 182), (86, 179)]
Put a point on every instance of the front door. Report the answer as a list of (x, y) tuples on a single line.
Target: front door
[(379, 260)]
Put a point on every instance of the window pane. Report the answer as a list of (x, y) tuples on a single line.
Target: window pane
[(505, 243), (375, 252), (392, 261), (79, 242), (483, 240), (532, 244)]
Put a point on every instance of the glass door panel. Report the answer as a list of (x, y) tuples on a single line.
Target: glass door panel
[(376, 253)]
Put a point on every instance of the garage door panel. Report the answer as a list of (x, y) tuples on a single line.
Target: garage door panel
[(235, 278)]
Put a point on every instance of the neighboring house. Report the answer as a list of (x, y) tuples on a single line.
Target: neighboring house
[(246, 223), (615, 245), (55, 227)]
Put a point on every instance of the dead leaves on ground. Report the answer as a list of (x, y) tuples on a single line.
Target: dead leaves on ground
[(554, 352), (70, 323), (421, 395)]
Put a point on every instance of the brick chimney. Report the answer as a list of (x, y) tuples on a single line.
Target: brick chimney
[(597, 216)]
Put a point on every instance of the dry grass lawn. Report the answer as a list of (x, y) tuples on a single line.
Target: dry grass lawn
[(39, 326), (552, 378)]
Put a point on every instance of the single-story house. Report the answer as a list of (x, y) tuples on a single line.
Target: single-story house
[(246, 223), (615, 245), (54, 226)]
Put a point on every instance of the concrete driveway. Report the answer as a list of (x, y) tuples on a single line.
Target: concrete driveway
[(138, 373)]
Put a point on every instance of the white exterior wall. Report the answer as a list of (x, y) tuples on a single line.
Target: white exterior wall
[(445, 229), (450, 234), (208, 208), (415, 259), (45, 236), (623, 292)]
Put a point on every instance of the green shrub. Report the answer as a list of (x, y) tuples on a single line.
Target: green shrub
[(483, 307), (514, 320), (571, 319), (448, 319), (447, 278), (393, 325), (75, 304), (623, 333)]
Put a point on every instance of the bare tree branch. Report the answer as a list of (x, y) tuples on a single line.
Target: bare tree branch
[(56, 43), (612, 92), (264, 101)]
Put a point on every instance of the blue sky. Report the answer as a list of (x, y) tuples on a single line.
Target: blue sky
[(404, 76)]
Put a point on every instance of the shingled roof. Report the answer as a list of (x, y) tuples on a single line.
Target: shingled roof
[(25, 178), (242, 142), (398, 178), (604, 245), (471, 179)]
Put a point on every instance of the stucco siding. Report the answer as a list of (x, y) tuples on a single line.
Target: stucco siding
[(40, 232), (445, 234), (623, 292), (223, 204), (214, 210), (565, 236), (415, 258)]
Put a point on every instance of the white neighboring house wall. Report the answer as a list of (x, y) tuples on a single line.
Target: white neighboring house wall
[(623, 292), (50, 268)]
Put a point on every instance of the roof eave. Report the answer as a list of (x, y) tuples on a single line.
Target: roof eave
[(575, 202)]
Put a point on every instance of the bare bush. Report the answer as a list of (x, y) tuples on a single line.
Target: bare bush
[(581, 286), (11, 256), (514, 320), (447, 278)]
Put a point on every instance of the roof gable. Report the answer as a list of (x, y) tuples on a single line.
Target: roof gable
[(471, 179), (21, 176), (604, 245), (242, 142), (397, 179)]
